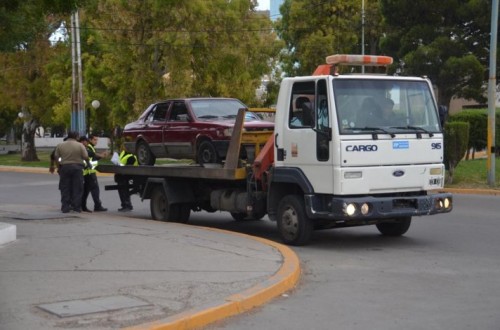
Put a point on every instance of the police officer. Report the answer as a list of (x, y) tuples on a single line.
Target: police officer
[(71, 157), (91, 185), (125, 158)]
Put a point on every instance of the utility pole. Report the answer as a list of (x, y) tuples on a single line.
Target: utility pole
[(363, 32), (77, 100), (492, 95)]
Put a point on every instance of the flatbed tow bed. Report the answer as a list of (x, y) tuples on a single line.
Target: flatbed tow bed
[(177, 171)]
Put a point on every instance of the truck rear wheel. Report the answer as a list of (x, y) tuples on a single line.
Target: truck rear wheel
[(184, 211), (160, 208), (294, 227), (396, 228)]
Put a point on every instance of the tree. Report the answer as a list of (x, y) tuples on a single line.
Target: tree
[(314, 29), (136, 52), (446, 41), (25, 51)]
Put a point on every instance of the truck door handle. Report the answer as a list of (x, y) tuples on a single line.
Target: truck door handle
[(276, 140)]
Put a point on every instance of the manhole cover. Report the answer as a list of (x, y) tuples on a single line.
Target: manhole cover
[(92, 305)]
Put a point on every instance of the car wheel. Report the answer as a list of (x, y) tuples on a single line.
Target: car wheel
[(397, 228), (294, 227), (144, 154), (206, 153)]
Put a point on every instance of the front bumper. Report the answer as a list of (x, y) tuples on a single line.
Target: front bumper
[(345, 209)]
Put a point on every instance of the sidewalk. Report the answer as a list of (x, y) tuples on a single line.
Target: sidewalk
[(103, 271)]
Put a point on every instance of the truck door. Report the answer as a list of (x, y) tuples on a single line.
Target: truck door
[(307, 136)]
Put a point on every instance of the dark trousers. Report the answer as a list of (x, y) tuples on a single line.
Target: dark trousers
[(123, 191), (91, 186), (71, 185)]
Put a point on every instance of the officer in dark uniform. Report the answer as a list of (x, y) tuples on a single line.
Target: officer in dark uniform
[(125, 158), (71, 156)]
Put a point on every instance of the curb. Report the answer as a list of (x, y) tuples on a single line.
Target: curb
[(283, 280)]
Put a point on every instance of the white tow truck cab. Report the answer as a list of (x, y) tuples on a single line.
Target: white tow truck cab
[(347, 150), (367, 146)]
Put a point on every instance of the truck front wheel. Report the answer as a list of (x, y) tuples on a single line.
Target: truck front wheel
[(397, 228), (160, 208), (294, 227)]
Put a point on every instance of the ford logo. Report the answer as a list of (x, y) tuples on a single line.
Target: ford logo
[(398, 173)]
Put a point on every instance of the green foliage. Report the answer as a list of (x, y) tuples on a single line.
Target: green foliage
[(456, 137), (444, 40), (478, 121), (140, 51), (314, 29), (23, 20)]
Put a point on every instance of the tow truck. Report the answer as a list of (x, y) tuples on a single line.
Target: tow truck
[(334, 160)]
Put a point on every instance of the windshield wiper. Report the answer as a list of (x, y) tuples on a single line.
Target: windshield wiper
[(229, 116), (416, 128), (372, 129)]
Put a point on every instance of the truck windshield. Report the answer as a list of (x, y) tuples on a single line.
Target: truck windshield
[(392, 105)]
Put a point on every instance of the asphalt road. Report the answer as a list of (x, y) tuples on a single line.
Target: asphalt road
[(443, 274)]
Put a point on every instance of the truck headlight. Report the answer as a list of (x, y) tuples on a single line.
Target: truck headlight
[(350, 209)]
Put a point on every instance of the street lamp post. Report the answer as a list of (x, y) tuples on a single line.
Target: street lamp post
[(21, 116), (95, 104)]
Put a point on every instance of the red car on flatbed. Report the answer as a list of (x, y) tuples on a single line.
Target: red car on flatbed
[(188, 128)]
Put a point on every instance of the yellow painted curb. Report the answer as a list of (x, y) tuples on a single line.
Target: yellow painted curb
[(283, 280)]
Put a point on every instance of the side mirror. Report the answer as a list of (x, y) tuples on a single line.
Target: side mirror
[(443, 114)]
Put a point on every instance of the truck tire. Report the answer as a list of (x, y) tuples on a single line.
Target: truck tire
[(397, 228), (160, 209), (207, 153), (184, 211), (294, 227), (144, 154)]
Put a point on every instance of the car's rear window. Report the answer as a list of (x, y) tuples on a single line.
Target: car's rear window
[(216, 108)]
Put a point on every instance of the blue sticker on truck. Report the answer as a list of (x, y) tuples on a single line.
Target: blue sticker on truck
[(400, 144)]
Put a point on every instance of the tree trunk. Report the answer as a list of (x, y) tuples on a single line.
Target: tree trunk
[(28, 149)]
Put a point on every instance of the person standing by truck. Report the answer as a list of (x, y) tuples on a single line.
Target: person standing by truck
[(91, 185), (71, 157), (125, 158)]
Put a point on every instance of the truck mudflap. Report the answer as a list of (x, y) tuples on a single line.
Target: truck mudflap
[(345, 209)]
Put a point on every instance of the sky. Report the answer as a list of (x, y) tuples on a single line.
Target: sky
[(263, 5)]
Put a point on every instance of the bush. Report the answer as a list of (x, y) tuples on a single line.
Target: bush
[(478, 130), (456, 137)]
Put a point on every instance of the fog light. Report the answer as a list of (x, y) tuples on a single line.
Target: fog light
[(365, 208), (350, 209)]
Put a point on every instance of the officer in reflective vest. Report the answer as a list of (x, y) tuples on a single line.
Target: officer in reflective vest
[(91, 185), (124, 190)]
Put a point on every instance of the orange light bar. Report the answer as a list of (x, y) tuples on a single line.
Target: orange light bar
[(370, 60)]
